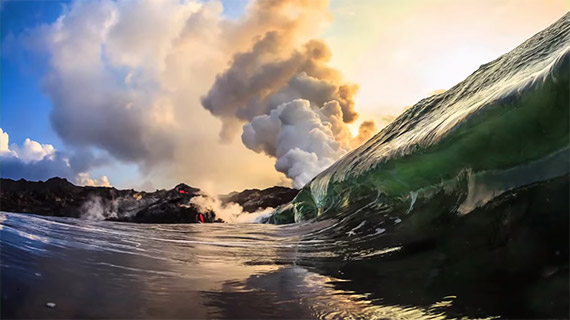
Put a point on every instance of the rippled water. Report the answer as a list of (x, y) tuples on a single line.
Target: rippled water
[(118, 270)]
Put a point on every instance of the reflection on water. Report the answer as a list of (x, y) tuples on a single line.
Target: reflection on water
[(116, 270)]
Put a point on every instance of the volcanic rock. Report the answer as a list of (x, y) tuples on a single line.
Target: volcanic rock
[(253, 200)]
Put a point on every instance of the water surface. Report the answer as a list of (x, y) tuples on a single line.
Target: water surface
[(119, 270)]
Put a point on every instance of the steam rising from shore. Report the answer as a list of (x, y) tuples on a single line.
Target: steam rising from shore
[(230, 212), (97, 209)]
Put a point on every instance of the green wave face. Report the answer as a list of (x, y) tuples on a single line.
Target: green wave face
[(504, 127)]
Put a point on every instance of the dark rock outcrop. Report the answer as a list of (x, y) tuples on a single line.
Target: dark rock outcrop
[(254, 199), (59, 197)]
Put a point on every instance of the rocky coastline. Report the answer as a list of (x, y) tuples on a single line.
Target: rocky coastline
[(59, 197)]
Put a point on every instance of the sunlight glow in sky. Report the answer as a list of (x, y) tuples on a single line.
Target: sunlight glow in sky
[(402, 51)]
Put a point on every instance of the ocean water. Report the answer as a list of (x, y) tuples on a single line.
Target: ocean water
[(507, 260), (459, 209), (105, 269)]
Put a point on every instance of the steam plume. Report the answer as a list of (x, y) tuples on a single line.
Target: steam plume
[(230, 212), (260, 80), (292, 105), (303, 138)]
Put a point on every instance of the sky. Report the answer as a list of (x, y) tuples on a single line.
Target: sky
[(228, 95)]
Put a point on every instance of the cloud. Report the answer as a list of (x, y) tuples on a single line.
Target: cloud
[(304, 139), (91, 104), (365, 131), (129, 78), (84, 179), (30, 151), (4, 141), (261, 79), (35, 161), (33, 151), (126, 78)]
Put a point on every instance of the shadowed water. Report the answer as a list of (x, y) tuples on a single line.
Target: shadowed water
[(117, 270)]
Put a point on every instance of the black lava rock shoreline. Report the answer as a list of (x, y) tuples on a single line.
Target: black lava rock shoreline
[(59, 197)]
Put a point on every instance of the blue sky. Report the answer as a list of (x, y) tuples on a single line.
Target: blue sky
[(25, 109)]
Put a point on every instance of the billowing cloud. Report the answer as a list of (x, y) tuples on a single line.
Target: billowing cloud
[(33, 151), (294, 105), (30, 151), (126, 77), (280, 67), (93, 102), (260, 80), (304, 139), (4, 141)]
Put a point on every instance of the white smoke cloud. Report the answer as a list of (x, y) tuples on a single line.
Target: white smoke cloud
[(301, 165), (4, 141), (261, 79), (33, 151), (230, 212), (303, 138), (297, 105)]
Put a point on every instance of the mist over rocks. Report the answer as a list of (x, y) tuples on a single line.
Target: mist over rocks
[(59, 197)]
